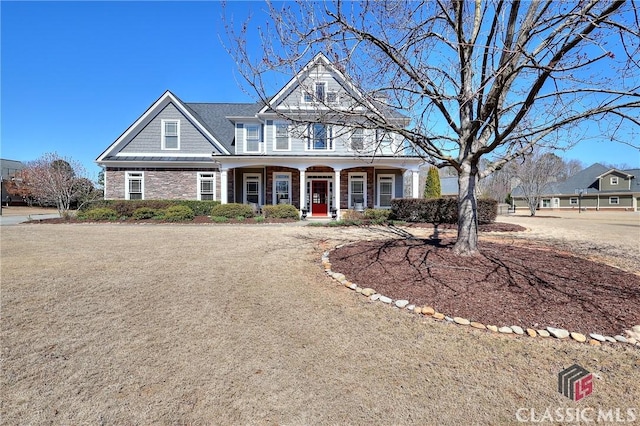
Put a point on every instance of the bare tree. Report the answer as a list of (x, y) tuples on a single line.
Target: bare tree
[(59, 181), (478, 79), (535, 173)]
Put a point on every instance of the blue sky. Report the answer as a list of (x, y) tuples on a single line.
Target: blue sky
[(75, 75)]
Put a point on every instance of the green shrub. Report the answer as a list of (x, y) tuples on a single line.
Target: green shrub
[(101, 213), (146, 213), (439, 210), (219, 219), (281, 211), (178, 214), (377, 215), (128, 207), (232, 210), (259, 219)]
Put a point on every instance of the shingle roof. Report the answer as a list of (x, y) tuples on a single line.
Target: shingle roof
[(213, 117), (586, 179)]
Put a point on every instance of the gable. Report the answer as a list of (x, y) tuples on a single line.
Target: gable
[(144, 136), (318, 86)]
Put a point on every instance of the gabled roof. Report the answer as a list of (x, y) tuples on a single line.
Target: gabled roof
[(587, 179), (214, 117), (148, 115), (345, 82), (9, 167)]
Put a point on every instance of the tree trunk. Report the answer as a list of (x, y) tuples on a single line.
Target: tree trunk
[(467, 243)]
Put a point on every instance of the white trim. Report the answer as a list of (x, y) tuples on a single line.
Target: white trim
[(573, 201), (258, 139), (163, 135), (379, 179), (161, 154), (611, 180), (244, 186), (201, 178), (275, 136), (617, 203), (274, 199), (309, 141), (357, 176), (128, 177)]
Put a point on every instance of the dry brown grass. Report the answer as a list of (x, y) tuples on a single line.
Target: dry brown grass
[(188, 324)]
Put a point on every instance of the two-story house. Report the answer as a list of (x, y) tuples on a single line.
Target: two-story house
[(283, 151)]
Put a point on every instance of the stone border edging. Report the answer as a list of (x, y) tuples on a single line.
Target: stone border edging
[(559, 333)]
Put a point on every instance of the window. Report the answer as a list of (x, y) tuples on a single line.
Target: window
[(613, 180), (282, 188), (320, 91), (252, 188), (385, 190), (573, 201), (252, 143), (206, 186), (134, 186), (357, 191), (320, 137), (282, 137), (357, 140), (170, 134), (614, 200), (320, 94)]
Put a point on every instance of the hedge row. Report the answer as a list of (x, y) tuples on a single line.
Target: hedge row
[(125, 208), (439, 210)]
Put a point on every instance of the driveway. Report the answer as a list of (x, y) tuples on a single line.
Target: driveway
[(14, 215)]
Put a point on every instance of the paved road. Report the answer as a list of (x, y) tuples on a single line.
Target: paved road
[(14, 220)]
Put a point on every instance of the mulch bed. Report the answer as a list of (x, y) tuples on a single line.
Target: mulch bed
[(533, 286), (197, 220)]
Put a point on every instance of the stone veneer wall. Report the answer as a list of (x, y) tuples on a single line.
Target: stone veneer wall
[(160, 184)]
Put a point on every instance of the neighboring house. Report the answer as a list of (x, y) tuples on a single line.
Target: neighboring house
[(249, 153), (8, 169), (595, 188)]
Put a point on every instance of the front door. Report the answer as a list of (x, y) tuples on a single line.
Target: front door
[(319, 190)]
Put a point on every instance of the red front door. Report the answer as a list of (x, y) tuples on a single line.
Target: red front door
[(319, 206)]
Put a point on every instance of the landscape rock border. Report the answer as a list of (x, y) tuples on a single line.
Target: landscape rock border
[(593, 339)]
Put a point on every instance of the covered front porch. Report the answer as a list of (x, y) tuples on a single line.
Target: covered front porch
[(319, 190)]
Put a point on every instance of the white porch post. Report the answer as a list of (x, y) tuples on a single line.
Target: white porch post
[(415, 184), (224, 183), (303, 190), (336, 192)]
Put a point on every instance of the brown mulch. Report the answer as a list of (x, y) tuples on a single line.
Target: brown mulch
[(196, 220), (532, 286)]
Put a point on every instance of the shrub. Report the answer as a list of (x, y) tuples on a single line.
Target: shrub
[(351, 215), (128, 207), (178, 214), (377, 215), (439, 210), (145, 213), (232, 210), (259, 219), (281, 211), (219, 219), (100, 213)]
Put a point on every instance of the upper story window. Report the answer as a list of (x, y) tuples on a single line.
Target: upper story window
[(320, 137), (170, 134), (320, 94), (252, 138), (613, 180), (357, 140), (282, 140)]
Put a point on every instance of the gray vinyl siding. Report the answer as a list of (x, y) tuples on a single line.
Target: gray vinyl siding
[(149, 139), (298, 142)]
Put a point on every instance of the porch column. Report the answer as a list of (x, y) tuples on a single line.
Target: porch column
[(303, 189), (224, 183), (415, 184), (336, 192)]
